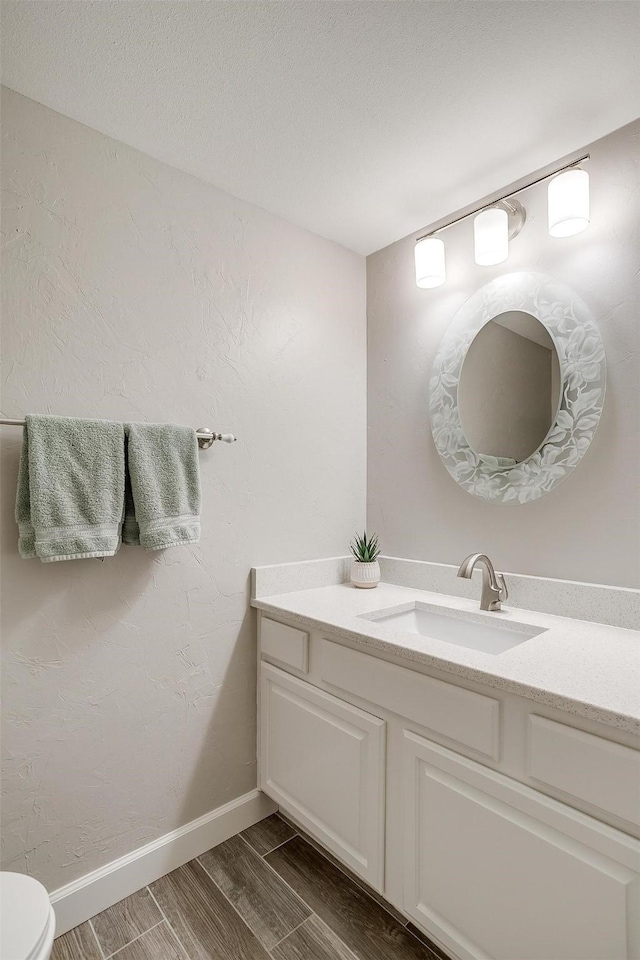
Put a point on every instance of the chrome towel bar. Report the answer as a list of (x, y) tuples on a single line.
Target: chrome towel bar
[(206, 437)]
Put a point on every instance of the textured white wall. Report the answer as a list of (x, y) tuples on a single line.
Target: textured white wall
[(587, 528), (132, 290)]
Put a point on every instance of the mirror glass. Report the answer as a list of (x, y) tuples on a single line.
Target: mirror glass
[(509, 389)]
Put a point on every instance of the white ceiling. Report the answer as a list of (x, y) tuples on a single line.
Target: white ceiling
[(362, 121)]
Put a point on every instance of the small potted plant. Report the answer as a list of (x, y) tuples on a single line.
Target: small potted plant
[(365, 569)]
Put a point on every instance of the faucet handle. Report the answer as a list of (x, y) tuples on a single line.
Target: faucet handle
[(502, 586)]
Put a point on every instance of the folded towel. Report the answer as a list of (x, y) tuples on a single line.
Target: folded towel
[(70, 497), (163, 504)]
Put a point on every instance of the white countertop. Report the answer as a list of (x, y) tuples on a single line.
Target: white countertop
[(585, 668)]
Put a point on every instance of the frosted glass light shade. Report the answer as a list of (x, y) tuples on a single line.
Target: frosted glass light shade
[(430, 265), (491, 236), (568, 200)]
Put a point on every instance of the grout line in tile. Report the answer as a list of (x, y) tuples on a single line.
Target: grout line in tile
[(297, 927), (95, 937), (249, 845), (296, 894), (276, 814), (282, 880), (124, 946), (354, 879), (166, 920), (312, 843), (277, 846), (360, 884), (180, 944), (233, 906), (316, 846), (323, 923)]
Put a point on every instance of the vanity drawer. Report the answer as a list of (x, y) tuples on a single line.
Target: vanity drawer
[(586, 767), (285, 644), (468, 718)]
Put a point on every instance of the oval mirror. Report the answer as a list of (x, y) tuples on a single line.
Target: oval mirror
[(509, 388), (517, 388)]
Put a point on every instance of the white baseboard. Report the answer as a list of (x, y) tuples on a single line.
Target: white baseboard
[(84, 898)]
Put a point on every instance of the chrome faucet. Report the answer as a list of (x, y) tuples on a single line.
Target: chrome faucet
[(494, 587)]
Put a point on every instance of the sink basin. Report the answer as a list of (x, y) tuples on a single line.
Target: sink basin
[(452, 626)]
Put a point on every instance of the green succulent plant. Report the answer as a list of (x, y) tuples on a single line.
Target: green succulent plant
[(365, 550)]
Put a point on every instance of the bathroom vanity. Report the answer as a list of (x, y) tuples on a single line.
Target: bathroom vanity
[(490, 791)]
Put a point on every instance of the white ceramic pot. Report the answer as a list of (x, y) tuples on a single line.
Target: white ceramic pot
[(365, 575)]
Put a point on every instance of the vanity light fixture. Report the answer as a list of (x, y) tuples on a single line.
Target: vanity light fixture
[(498, 222), (430, 262), (491, 236), (568, 203)]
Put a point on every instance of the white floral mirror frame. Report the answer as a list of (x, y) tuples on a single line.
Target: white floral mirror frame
[(580, 350)]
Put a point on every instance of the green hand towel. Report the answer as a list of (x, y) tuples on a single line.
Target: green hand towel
[(70, 497), (165, 485)]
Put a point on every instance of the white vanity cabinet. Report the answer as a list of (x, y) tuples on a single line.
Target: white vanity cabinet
[(493, 823), (323, 761), (504, 872)]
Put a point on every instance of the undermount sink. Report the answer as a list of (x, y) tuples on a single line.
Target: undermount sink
[(452, 626)]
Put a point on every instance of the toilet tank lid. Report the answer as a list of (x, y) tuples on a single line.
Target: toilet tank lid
[(24, 914)]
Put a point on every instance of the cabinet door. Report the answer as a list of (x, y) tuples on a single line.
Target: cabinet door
[(496, 870), (323, 761)]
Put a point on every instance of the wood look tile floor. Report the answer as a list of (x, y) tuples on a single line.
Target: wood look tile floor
[(265, 894)]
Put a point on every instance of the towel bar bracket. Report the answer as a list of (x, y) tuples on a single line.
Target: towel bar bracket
[(207, 437)]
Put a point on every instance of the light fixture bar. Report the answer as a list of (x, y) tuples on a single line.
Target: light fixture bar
[(505, 196)]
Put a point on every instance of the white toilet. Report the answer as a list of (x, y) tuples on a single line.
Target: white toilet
[(27, 920)]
